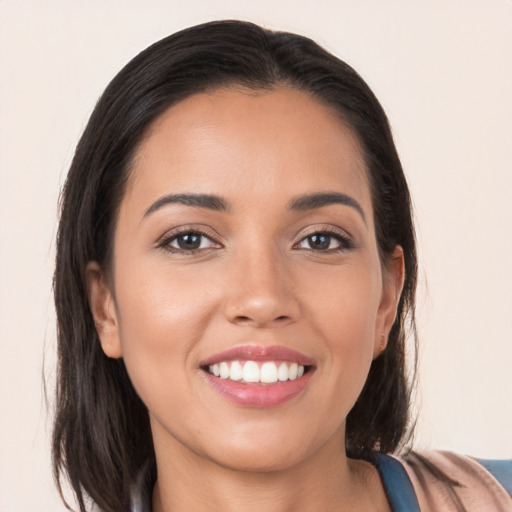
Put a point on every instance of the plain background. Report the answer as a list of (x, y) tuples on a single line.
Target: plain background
[(443, 72)]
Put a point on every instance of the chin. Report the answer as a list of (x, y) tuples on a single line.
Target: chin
[(265, 450), (257, 460)]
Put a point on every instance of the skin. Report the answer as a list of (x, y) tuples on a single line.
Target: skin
[(256, 279)]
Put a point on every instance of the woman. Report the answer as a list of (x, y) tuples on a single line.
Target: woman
[(235, 280)]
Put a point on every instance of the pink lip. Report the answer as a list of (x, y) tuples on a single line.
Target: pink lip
[(259, 395), (259, 353)]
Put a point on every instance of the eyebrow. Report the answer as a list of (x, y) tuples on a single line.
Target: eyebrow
[(208, 201), (216, 203), (320, 199)]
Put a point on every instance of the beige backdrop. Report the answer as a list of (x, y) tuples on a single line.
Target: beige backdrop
[(443, 71)]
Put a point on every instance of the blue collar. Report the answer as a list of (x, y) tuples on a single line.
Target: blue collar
[(397, 484)]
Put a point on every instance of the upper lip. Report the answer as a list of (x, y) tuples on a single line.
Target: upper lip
[(259, 353)]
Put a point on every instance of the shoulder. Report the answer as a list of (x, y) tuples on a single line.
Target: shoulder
[(448, 481)]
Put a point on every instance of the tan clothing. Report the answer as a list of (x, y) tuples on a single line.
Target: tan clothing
[(478, 490)]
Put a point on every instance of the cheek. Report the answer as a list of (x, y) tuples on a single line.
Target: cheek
[(344, 305), (161, 319), (157, 304), (345, 301)]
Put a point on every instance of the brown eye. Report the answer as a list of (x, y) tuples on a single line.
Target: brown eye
[(188, 242), (319, 242), (325, 242)]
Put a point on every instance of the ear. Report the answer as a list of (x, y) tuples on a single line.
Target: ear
[(393, 276), (101, 302)]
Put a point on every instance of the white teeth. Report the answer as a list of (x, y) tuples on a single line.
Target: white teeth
[(268, 372), (224, 370), (251, 372), (283, 372), (237, 372)]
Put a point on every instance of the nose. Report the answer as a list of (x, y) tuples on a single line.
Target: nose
[(261, 291)]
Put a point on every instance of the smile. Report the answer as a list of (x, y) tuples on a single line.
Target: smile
[(251, 372), (252, 376)]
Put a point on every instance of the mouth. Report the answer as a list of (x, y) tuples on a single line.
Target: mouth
[(258, 377), (257, 372)]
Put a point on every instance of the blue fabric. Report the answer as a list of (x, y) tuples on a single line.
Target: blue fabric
[(501, 470), (397, 484)]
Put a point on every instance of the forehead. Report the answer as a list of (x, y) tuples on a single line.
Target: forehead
[(249, 144)]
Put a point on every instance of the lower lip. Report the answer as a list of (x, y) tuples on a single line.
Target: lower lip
[(258, 395)]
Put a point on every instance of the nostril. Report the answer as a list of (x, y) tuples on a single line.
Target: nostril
[(246, 319)]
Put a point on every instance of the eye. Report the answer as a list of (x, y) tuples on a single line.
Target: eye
[(325, 242), (187, 242)]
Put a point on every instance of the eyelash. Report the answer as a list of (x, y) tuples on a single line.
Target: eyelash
[(165, 244), (345, 242)]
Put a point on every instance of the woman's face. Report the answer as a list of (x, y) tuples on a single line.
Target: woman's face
[(245, 255)]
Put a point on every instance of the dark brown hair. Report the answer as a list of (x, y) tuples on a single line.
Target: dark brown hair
[(101, 434)]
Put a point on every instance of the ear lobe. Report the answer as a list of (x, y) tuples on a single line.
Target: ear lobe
[(103, 310), (393, 283)]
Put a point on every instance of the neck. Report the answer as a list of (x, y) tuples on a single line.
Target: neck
[(327, 480)]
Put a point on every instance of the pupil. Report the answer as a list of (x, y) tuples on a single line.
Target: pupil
[(189, 241), (319, 241)]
